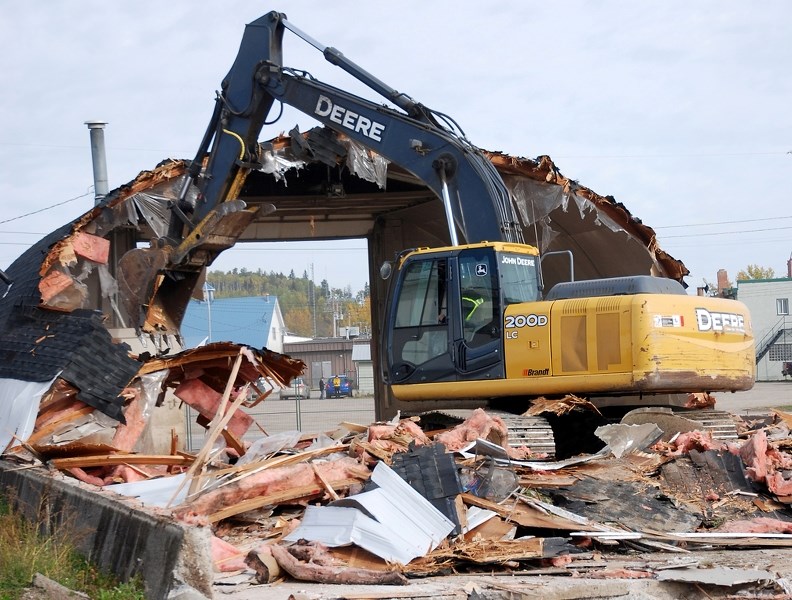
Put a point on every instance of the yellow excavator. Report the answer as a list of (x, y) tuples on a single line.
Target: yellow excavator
[(468, 323)]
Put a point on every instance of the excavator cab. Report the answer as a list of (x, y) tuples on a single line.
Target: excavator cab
[(445, 314)]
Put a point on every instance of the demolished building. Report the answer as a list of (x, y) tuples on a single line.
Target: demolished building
[(90, 344), (105, 286), (105, 281)]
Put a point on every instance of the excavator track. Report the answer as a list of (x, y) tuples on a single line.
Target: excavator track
[(718, 423), (524, 431), (532, 432), (537, 434)]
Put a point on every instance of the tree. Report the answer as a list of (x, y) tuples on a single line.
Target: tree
[(299, 321), (756, 272)]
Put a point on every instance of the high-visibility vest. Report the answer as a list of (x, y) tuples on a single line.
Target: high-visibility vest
[(476, 302)]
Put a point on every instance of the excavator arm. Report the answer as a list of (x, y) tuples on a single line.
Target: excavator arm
[(476, 201)]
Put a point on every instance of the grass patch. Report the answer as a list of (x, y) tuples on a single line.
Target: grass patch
[(24, 551)]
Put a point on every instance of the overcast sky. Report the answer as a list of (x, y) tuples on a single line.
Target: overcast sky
[(680, 110)]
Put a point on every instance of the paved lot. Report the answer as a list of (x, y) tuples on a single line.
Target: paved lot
[(312, 415), (764, 395), (320, 415)]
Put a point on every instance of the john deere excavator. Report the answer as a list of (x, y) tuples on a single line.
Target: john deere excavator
[(469, 322)]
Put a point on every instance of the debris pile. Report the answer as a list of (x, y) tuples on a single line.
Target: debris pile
[(73, 436), (390, 502)]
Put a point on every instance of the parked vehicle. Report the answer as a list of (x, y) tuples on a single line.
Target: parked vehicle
[(344, 389), (297, 389), (786, 369)]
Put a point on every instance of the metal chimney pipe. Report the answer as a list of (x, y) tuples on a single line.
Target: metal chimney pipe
[(99, 158)]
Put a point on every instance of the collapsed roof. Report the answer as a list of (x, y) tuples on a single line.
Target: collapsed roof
[(81, 285)]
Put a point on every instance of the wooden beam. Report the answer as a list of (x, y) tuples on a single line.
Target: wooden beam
[(104, 460), (280, 498)]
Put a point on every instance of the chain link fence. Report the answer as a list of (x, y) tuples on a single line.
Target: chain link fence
[(277, 415)]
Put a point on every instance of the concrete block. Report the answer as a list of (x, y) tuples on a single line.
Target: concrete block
[(113, 532)]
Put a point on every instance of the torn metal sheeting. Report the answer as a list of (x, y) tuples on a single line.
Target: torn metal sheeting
[(392, 521), (625, 439), (343, 525), (154, 492), (477, 516), (481, 447), (19, 403)]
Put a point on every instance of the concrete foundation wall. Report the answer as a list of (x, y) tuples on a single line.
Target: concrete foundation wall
[(171, 558)]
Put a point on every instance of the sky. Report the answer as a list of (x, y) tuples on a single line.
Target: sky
[(679, 110)]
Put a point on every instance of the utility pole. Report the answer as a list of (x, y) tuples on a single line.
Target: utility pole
[(313, 300), (208, 294)]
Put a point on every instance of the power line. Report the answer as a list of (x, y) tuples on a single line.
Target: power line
[(671, 155), (82, 147), (35, 212), (721, 223), (683, 235)]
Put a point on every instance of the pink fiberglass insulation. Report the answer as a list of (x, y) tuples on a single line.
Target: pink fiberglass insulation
[(757, 525), (272, 481), (478, 425), (205, 400), (226, 557)]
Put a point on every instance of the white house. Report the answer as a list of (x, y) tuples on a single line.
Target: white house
[(253, 320)]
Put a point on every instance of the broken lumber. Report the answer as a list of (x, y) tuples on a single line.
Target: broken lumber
[(104, 460), (322, 573), (296, 493)]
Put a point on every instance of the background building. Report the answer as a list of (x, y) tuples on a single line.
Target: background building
[(253, 320), (324, 358), (768, 301)]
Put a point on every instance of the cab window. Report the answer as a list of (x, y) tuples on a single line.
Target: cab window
[(479, 296)]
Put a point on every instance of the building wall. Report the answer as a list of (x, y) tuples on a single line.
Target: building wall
[(277, 330), (335, 352), (761, 296)]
